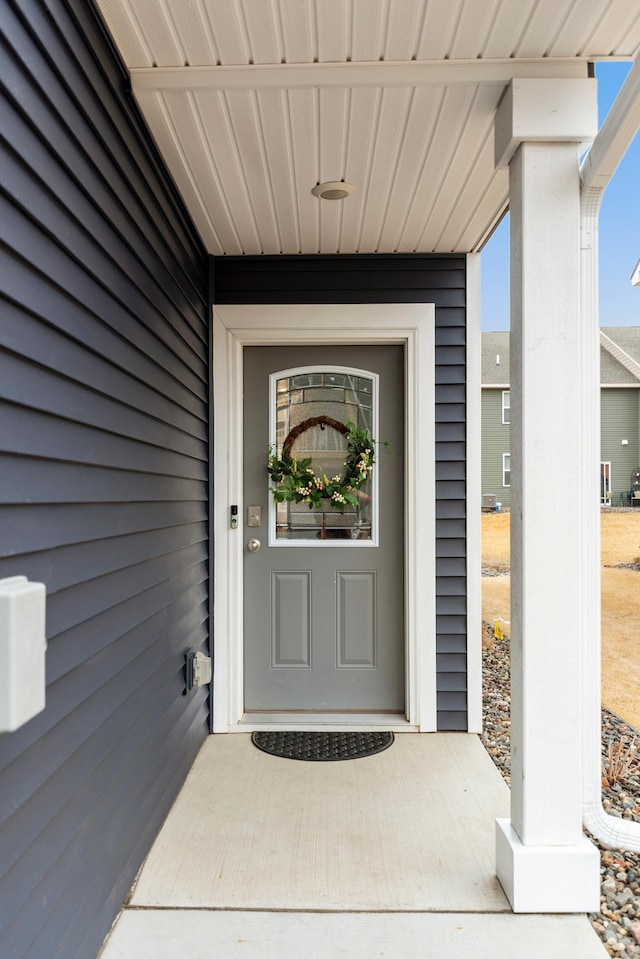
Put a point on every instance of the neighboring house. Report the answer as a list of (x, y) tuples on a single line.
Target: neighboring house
[(158, 229), (619, 417), (496, 419)]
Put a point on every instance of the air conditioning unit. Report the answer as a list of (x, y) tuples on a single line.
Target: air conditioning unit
[(488, 501)]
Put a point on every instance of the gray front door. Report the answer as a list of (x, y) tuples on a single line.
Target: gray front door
[(324, 593)]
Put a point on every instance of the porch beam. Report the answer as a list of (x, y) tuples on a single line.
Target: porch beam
[(615, 136), (544, 862), (414, 73)]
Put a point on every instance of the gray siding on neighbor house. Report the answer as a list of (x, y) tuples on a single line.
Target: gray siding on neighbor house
[(103, 477), (495, 442), (397, 279), (619, 420)]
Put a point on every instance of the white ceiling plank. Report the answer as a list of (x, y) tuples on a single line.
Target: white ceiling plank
[(369, 30), (303, 120), (423, 113), (160, 33), (333, 115), (403, 27), (486, 218), (191, 121), (433, 173), (333, 30), (251, 155), (475, 130), (473, 28), (578, 24), (353, 230), (389, 136), (276, 129), (626, 30), (127, 33), (505, 31), (227, 189), (298, 25), (227, 24), (209, 32), (332, 124), (438, 30), (427, 110), (158, 117), (610, 33), (194, 29), (232, 194), (478, 170), (492, 206), (340, 75), (541, 26), (364, 110), (263, 31)]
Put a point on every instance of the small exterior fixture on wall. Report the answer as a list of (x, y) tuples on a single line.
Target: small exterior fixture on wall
[(23, 646), (625, 442), (333, 190), (197, 670)]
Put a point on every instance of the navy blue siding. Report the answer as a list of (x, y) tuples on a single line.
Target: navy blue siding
[(104, 430), (397, 279)]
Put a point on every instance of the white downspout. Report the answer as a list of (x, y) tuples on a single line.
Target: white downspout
[(608, 149)]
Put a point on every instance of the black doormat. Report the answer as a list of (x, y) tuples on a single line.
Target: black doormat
[(321, 747)]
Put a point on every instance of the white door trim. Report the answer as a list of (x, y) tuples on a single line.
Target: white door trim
[(237, 326)]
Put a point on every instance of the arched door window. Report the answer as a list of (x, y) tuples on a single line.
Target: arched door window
[(310, 409)]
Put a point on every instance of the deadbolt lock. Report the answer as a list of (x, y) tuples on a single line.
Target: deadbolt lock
[(254, 516)]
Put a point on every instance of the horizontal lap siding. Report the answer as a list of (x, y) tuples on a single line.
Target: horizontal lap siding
[(103, 477), (619, 419), (495, 443), (397, 279)]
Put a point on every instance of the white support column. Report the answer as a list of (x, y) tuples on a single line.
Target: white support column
[(544, 862)]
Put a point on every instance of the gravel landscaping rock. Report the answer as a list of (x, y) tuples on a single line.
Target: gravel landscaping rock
[(496, 570), (618, 922)]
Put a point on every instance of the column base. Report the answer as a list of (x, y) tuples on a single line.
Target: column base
[(547, 878)]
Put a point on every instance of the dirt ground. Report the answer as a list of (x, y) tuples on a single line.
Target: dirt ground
[(620, 602)]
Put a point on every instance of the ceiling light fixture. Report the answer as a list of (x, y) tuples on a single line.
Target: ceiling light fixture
[(333, 190)]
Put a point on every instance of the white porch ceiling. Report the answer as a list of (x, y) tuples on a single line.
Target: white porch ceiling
[(254, 102)]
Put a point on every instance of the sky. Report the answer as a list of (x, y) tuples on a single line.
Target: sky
[(619, 234)]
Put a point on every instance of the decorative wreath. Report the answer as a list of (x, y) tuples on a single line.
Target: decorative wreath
[(296, 482)]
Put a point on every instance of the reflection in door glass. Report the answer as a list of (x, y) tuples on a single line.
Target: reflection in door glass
[(335, 396)]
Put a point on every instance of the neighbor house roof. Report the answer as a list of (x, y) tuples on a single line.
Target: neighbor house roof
[(619, 357), (495, 359)]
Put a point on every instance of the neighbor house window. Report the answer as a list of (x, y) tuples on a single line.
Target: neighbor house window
[(506, 469), (506, 408)]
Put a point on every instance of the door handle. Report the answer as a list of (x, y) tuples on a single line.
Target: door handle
[(254, 545)]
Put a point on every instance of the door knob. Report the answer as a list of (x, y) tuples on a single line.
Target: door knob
[(254, 545)]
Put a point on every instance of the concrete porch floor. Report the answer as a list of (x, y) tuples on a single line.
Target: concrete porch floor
[(392, 855)]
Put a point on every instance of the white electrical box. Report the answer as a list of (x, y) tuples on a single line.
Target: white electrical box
[(23, 647), (201, 669)]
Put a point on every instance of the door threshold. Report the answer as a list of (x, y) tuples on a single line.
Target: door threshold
[(323, 722)]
